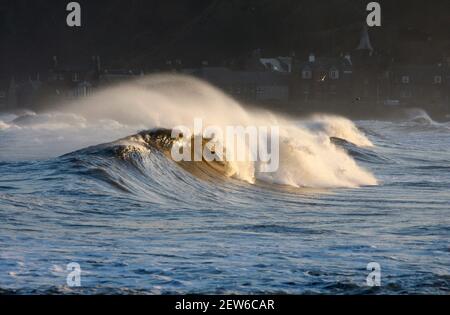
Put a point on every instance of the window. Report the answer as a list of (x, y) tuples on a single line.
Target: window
[(334, 74), (307, 74), (437, 79), (405, 79)]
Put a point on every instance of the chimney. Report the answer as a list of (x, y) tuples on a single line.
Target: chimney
[(312, 58)]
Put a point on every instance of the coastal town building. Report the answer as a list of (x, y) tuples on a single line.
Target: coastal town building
[(321, 78), (247, 85), (418, 84), (355, 77)]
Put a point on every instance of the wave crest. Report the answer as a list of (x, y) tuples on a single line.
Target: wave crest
[(308, 158)]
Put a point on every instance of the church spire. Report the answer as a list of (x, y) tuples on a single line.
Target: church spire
[(364, 42)]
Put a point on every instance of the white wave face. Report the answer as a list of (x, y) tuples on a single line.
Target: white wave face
[(311, 160), (339, 127), (307, 156), (420, 116)]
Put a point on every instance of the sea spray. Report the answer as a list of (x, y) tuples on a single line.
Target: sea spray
[(307, 156)]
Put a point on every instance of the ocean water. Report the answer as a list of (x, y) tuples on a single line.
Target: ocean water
[(75, 187)]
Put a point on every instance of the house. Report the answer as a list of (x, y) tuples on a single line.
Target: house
[(322, 78), (351, 78), (246, 85), (70, 82), (420, 84)]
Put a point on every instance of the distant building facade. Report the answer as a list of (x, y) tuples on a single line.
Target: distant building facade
[(247, 85), (61, 83), (419, 84), (354, 77), (321, 78)]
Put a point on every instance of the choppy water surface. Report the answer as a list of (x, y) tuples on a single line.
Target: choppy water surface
[(143, 224)]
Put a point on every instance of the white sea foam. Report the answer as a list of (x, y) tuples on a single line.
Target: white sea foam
[(307, 156), (339, 127)]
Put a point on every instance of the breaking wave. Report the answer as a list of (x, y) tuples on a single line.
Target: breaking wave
[(419, 120), (308, 155)]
